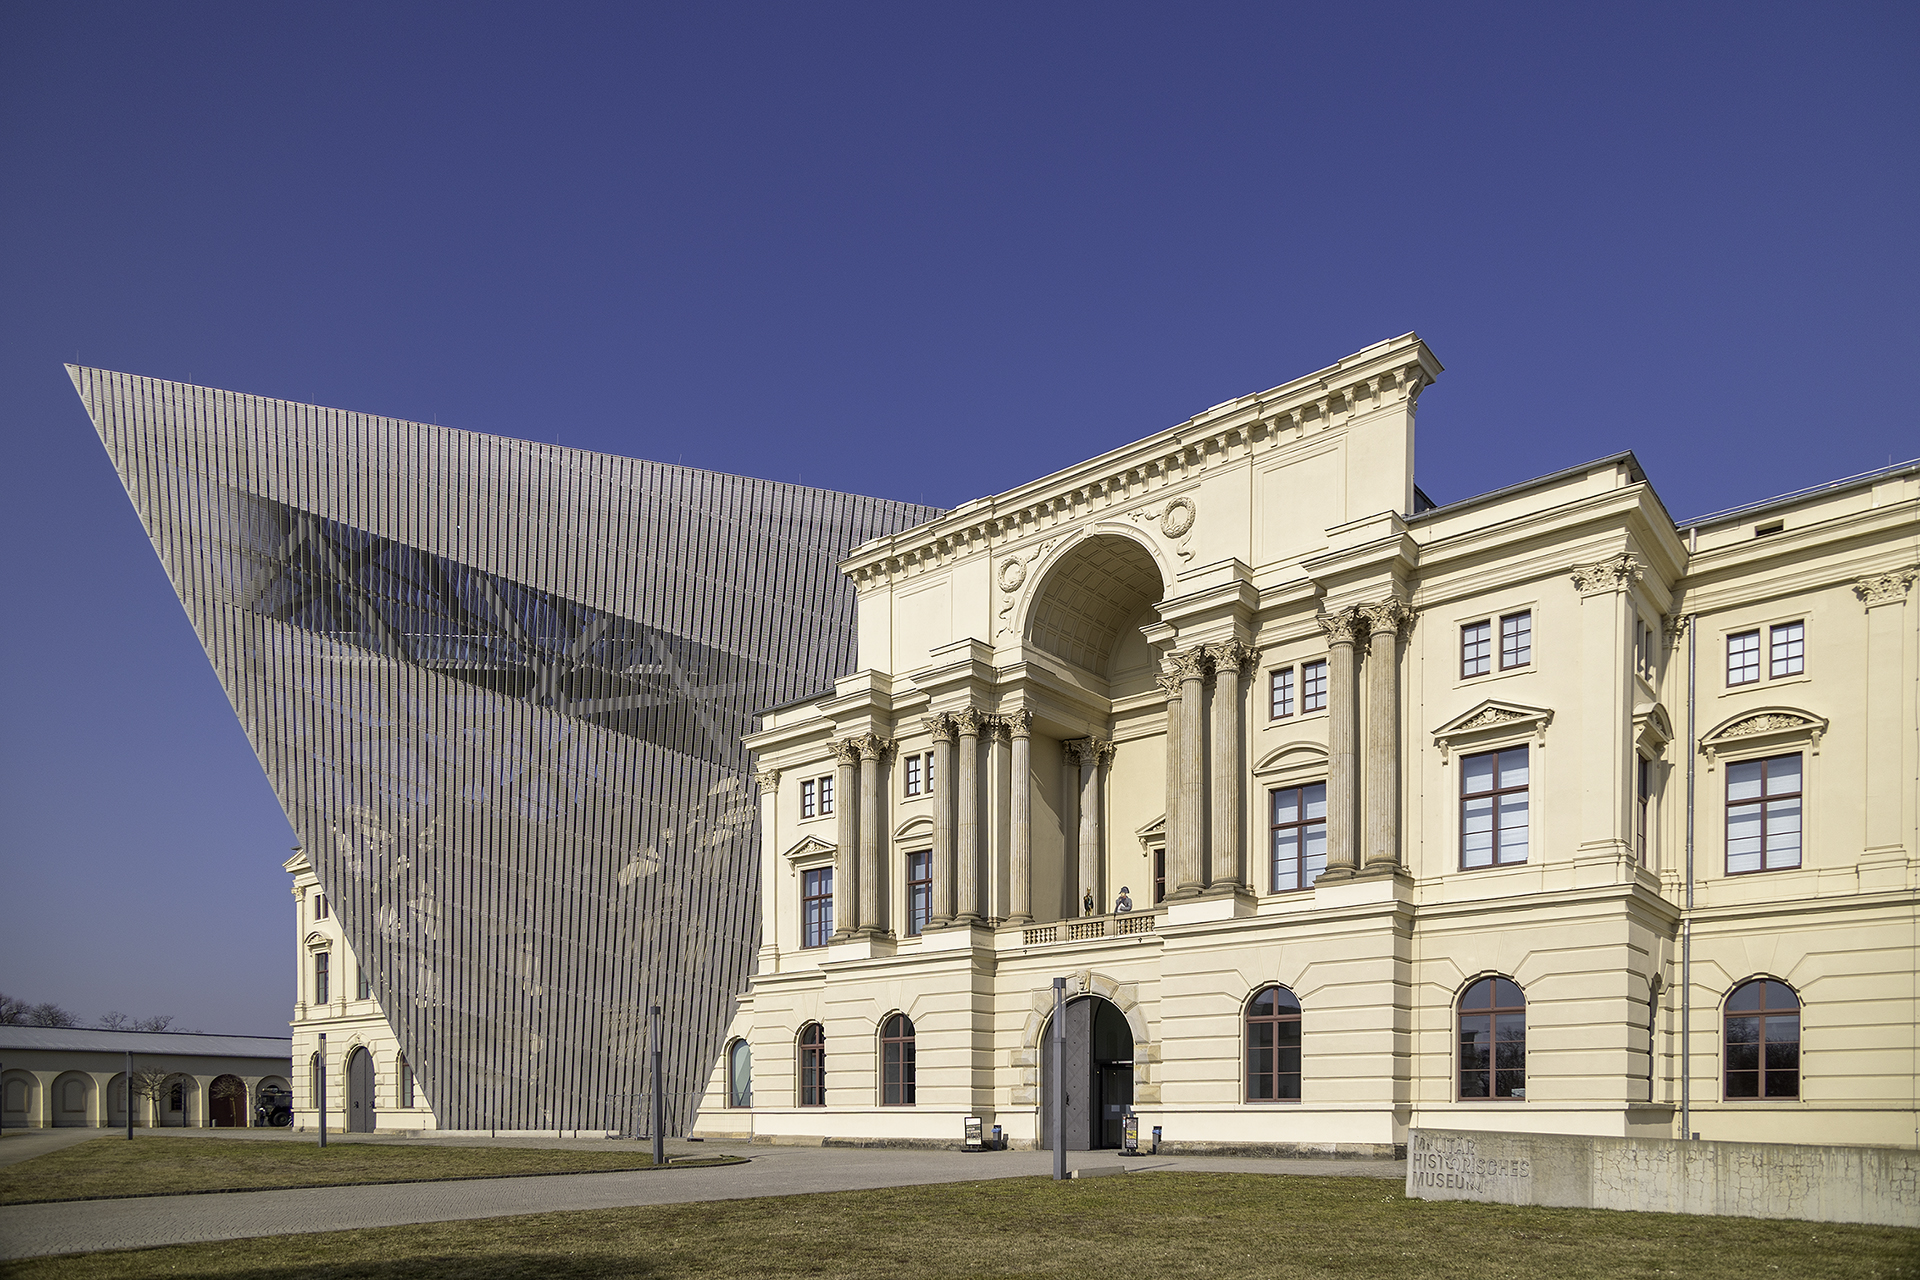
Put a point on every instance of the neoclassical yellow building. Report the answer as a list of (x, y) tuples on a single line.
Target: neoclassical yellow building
[(1344, 813)]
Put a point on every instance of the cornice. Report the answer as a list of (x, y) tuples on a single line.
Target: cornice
[(1160, 467)]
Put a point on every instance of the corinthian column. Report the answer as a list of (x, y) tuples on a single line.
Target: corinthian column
[(873, 749), (1091, 753), (968, 723), (1229, 862), (846, 821), (940, 910), (1343, 714), (1384, 623), (1191, 666), (1170, 826), (1020, 855)]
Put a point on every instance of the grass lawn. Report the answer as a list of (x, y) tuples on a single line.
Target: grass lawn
[(112, 1166), (1141, 1225)]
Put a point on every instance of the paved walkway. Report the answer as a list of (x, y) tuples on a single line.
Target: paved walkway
[(35, 1230)]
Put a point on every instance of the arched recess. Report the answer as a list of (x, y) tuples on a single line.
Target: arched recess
[(19, 1099), (359, 1081), (1093, 595), (227, 1102), (1124, 996), (73, 1101)]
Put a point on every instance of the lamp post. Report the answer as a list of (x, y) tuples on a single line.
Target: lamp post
[(320, 1086), (129, 1092), (1059, 1098), (659, 1118)]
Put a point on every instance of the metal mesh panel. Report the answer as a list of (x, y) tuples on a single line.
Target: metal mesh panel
[(499, 689)]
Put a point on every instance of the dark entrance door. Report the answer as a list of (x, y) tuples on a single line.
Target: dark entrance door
[(360, 1092), (1099, 1076)]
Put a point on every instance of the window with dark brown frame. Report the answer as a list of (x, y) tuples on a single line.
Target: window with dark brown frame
[(816, 907), (1743, 657), (813, 1065), (1493, 1040), (363, 983), (919, 891), (1763, 1041), (826, 795), (1313, 686), (896, 1061), (1787, 649), (1273, 1046), (1642, 799), (319, 906), (322, 979), (404, 1074), (1476, 649), (1299, 826), (1280, 691), (1159, 875), (1763, 814), (918, 770), (1494, 808), (1516, 640), (816, 797)]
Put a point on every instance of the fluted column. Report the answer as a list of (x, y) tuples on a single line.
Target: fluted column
[(1090, 753), (1384, 622), (1020, 854), (873, 749), (967, 723), (1343, 714), (1191, 666), (769, 782), (1170, 826), (846, 821), (940, 910), (1229, 862)]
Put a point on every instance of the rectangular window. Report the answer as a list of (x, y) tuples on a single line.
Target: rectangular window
[(809, 799), (1476, 649), (919, 892), (826, 795), (1516, 640), (1299, 836), (1281, 689), (319, 906), (1313, 686), (363, 983), (1743, 658), (321, 992), (912, 771), (918, 770), (1787, 649), (406, 1083), (1159, 876), (1643, 795), (1493, 808), (1763, 814), (816, 907)]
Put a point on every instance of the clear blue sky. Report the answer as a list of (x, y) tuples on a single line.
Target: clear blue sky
[(919, 251)]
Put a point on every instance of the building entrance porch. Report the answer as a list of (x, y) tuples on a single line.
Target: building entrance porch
[(1098, 1066)]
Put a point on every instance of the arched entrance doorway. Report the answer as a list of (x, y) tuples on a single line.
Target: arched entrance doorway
[(1098, 1076), (227, 1103), (359, 1092)]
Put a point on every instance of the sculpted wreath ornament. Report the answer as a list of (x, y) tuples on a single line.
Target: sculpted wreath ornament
[(1012, 574), (1177, 519)]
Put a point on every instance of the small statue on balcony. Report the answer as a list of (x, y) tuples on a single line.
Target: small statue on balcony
[(1123, 903), (1086, 904)]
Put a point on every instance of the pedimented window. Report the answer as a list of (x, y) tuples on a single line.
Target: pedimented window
[(1762, 732), (1490, 723)]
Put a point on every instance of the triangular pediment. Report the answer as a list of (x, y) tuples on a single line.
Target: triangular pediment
[(811, 846), (1492, 720), (1154, 834)]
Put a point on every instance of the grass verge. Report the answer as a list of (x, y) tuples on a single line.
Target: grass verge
[(1158, 1224), (109, 1167)]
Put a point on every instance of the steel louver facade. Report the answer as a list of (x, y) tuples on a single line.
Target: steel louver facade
[(498, 688)]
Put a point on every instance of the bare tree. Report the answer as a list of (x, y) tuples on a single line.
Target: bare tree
[(151, 1087), (158, 1022), (13, 1012), (114, 1020), (50, 1015)]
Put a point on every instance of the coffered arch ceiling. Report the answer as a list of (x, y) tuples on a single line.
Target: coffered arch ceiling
[(1089, 600)]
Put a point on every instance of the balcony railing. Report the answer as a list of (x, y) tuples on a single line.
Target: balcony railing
[(1089, 928)]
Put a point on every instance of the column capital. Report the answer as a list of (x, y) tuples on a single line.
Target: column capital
[(769, 780), (1019, 724), (940, 726), (1886, 588), (968, 721), (1088, 751), (1615, 573), (1673, 628), (874, 746), (1342, 626), (847, 750), (1169, 684), (1232, 655), (1190, 664), (1390, 615)]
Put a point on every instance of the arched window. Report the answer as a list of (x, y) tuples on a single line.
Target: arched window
[(1493, 1040), (813, 1065), (1273, 1047), (739, 1074), (896, 1061), (1763, 1041)]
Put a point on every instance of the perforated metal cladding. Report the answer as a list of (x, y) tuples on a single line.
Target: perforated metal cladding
[(499, 688)]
